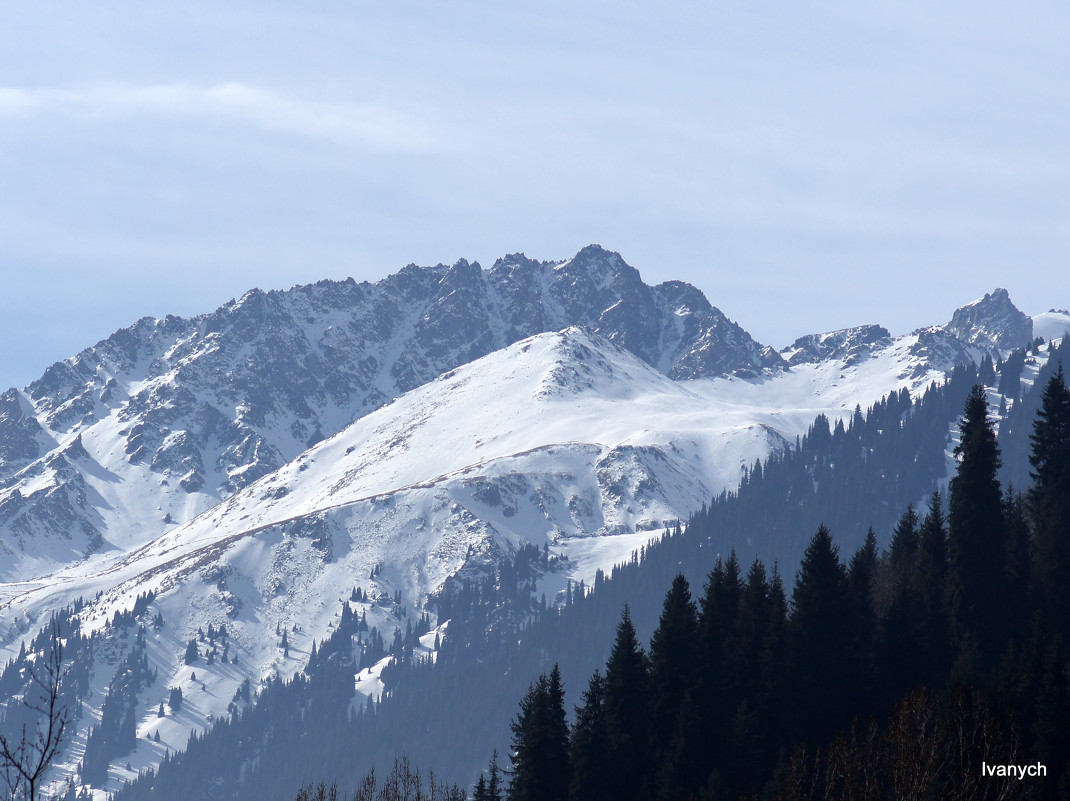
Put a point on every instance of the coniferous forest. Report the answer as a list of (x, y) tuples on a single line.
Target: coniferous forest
[(850, 671)]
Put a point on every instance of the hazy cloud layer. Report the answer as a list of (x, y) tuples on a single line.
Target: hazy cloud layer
[(227, 103)]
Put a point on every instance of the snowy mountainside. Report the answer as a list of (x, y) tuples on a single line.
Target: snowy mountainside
[(1052, 324), (164, 419), (563, 407), (557, 438), (991, 325)]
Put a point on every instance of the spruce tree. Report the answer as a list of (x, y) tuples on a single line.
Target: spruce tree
[(773, 695), (718, 618), (927, 587), (743, 648), (977, 587), (672, 662), (699, 734), (589, 747), (720, 608), (1017, 567), (861, 572), (628, 713), (494, 778), (904, 548), (820, 636), (746, 696), (1049, 502), (540, 743), (488, 786)]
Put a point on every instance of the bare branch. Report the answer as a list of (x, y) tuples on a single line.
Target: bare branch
[(23, 765)]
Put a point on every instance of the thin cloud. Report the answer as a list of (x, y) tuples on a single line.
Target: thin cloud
[(348, 125)]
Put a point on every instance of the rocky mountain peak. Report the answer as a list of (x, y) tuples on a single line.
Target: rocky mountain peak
[(847, 344), (992, 323)]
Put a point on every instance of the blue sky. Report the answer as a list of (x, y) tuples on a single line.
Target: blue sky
[(808, 166)]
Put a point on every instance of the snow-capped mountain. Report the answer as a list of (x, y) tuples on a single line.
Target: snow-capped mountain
[(1052, 324), (164, 419)]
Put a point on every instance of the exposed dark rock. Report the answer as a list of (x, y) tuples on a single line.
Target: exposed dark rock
[(993, 324), (849, 345)]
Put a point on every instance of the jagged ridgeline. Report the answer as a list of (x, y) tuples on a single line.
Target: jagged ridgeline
[(850, 477)]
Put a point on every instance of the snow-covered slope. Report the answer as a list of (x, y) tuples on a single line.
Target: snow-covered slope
[(1052, 324), (624, 446)]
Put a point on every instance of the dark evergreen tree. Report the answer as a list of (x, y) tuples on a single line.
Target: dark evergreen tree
[(986, 374), (700, 737), (589, 747), (1010, 375), (746, 642), (773, 692), (747, 699), (489, 786), (904, 549), (861, 574), (540, 769), (673, 651), (627, 709), (977, 585), (720, 609), (1049, 502), (928, 589), (821, 637), (494, 778), (1017, 568)]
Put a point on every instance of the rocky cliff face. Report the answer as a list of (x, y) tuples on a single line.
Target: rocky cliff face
[(849, 344), (992, 323)]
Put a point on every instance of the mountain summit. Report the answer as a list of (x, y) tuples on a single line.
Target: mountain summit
[(992, 323)]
